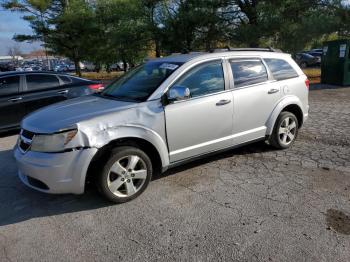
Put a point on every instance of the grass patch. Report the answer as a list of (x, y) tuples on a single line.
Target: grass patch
[(101, 75), (314, 74)]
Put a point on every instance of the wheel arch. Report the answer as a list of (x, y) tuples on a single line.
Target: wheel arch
[(103, 154), (290, 104), (143, 138)]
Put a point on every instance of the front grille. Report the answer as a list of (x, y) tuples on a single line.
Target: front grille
[(24, 146), (27, 134), (25, 140)]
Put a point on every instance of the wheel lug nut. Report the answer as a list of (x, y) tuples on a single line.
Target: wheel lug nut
[(123, 179), (123, 172), (132, 175), (128, 180)]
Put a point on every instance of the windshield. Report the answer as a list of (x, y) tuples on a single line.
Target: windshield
[(139, 83)]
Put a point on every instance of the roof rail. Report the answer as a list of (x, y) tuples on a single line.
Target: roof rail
[(269, 49)]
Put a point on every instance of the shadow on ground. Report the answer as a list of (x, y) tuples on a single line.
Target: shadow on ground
[(19, 203)]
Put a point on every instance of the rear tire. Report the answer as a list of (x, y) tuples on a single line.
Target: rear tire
[(285, 131), (125, 175)]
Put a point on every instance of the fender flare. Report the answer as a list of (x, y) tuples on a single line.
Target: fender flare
[(286, 101)]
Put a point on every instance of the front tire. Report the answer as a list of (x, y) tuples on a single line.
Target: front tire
[(285, 131), (126, 174)]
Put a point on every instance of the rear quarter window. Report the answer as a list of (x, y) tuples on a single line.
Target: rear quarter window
[(66, 79), (280, 69)]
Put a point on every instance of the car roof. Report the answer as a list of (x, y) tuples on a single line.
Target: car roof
[(183, 58), (10, 73)]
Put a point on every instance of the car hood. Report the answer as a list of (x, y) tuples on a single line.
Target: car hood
[(66, 114)]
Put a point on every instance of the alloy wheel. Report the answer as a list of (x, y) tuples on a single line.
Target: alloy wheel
[(127, 176), (287, 131)]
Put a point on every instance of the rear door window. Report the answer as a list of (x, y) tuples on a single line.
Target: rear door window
[(248, 72), (41, 81), (280, 68), (9, 85)]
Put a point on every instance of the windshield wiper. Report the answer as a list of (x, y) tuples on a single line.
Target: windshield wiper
[(122, 98)]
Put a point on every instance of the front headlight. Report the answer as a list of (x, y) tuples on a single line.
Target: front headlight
[(52, 143)]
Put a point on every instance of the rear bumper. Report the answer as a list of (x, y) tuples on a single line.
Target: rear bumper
[(56, 173)]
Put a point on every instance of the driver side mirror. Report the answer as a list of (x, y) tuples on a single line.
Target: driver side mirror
[(178, 93)]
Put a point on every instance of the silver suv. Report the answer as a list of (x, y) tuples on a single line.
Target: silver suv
[(161, 114)]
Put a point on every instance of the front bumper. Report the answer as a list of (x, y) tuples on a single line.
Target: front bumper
[(56, 173)]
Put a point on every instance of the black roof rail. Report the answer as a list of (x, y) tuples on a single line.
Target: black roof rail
[(268, 49), (259, 49)]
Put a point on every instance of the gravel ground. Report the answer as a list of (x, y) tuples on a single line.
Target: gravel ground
[(249, 204)]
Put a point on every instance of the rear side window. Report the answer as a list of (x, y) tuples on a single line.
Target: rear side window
[(248, 72), (41, 81), (9, 85), (207, 78), (280, 69)]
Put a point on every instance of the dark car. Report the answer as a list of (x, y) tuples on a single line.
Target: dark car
[(305, 60), (24, 92)]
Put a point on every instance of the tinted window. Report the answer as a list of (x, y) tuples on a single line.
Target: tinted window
[(9, 85), (248, 72), (204, 79), (66, 79), (41, 81), (280, 69)]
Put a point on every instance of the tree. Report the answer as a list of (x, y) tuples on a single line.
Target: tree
[(70, 32), (14, 52)]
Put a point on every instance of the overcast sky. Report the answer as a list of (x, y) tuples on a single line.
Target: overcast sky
[(11, 23)]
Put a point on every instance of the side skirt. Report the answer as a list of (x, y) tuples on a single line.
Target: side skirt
[(194, 158)]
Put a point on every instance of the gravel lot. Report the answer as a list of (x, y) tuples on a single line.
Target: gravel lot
[(249, 204)]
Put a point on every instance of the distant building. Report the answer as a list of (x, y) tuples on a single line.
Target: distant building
[(8, 58)]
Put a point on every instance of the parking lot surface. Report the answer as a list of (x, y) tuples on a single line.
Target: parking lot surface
[(248, 204)]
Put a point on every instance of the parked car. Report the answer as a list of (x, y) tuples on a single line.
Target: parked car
[(163, 113), (60, 68), (305, 60), (24, 92), (71, 67)]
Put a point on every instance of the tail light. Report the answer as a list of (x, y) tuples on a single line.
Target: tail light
[(96, 87), (307, 83)]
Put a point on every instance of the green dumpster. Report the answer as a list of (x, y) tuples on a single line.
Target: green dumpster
[(335, 63)]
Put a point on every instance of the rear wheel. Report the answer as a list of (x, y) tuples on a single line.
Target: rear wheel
[(126, 174), (285, 131)]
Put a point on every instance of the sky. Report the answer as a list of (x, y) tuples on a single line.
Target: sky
[(11, 23)]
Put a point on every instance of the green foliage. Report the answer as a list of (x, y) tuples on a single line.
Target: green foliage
[(109, 31)]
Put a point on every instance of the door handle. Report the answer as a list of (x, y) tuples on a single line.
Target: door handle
[(273, 90), (15, 99), (223, 102), (63, 92)]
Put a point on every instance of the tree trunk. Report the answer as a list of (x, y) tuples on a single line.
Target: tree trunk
[(125, 66), (157, 43), (77, 67)]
